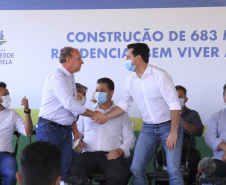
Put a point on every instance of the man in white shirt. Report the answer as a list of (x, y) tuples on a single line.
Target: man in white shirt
[(153, 91), (59, 107), (9, 121), (106, 147), (215, 138)]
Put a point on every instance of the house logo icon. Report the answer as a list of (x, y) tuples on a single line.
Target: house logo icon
[(2, 40)]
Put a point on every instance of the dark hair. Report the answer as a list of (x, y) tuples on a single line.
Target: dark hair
[(180, 87), (40, 164), (224, 89), (108, 81), (141, 49), (2, 84), (65, 53), (79, 87)]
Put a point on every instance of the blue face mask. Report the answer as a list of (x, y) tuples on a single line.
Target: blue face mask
[(101, 97), (181, 100), (128, 64)]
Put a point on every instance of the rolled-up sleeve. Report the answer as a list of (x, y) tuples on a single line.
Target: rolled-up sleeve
[(168, 92), (127, 135)]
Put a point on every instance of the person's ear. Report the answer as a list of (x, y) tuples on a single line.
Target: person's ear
[(58, 180), (111, 93), (18, 177), (138, 58), (185, 100)]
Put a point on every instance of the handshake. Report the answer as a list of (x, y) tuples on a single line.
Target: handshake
[(99, 117)]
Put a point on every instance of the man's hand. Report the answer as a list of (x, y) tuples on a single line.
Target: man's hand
[(75, 131), (171, 141), (224, 158), (114, 154), (222, 146), (99, 117), (79, 147), (24, 103)]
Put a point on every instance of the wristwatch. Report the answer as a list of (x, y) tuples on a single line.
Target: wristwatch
[(27, 112)]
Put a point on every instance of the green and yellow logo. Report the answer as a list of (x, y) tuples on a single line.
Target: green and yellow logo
[(2, 40)]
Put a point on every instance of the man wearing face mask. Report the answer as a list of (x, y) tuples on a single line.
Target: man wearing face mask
[(81, 97), (153, 91), (191, 124), (108, 146), (81, 93), (9, 121)]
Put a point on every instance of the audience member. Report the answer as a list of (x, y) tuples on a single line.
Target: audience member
[(215, 138), (108, 146), (9, 121), (191, 124), (39, 164)]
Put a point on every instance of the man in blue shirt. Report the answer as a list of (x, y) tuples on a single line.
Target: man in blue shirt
[(215, 138)]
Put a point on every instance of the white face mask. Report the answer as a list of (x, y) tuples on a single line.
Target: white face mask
[(6, 101), (83, 100), (181, 100)]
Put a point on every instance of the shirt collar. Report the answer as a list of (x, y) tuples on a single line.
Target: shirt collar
[(65, 71), (96, 106), (148, 70), (185, 109)]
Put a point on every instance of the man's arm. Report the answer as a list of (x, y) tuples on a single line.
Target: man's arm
[(128, 139), (28, 121), (211, 138), (196, 127), (117, 111), (75, 131), (224, 158), (172, 138)]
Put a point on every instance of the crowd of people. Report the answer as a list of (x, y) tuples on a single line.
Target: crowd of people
[(73, 140)]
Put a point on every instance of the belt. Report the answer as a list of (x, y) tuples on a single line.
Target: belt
[(163, 122), (53, 123)]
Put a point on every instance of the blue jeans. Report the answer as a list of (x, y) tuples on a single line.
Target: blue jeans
[(8, 167), (148, 140), (62, 138)]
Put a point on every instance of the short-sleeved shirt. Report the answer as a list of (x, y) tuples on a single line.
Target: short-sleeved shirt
[(9, 121)]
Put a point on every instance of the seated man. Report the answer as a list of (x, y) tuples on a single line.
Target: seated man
[(81, 93), (191, 124), (39, 164), (215, 138), (108, 145), (9, 121), (81, 97)]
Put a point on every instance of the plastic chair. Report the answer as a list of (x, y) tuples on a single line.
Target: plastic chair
[(160, 172), (17, 134)]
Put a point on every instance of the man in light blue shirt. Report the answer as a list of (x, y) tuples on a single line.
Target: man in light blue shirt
[(60, 108), (215, 138)]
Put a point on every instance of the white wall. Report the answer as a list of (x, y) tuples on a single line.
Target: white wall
[(32, 35)]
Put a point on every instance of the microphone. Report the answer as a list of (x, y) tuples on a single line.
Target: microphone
[(206, 166)]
